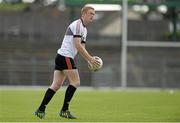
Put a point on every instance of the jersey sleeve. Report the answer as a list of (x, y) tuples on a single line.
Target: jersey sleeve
[(76, 29), (83, 39)]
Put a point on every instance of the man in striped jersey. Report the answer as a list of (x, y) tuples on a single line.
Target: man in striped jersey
[(73, 42)]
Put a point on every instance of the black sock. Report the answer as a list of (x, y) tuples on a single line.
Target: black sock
[(47, 97), (68, 96)]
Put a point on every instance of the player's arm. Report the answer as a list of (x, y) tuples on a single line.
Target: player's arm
[(84, 53)]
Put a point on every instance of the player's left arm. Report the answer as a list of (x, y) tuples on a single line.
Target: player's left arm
[(82, 50)]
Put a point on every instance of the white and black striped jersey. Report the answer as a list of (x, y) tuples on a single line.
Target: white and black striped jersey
[(75, 29)]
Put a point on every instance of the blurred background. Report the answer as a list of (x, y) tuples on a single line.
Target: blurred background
[(142, 50)]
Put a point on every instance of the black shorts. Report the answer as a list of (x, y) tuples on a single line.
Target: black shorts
[(63, 63)]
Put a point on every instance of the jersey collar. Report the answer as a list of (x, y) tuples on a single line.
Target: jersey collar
[(83, 22)]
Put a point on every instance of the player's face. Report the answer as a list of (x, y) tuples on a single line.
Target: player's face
[(89, 15)]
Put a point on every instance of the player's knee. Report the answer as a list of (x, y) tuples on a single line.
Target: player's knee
[(55, 87), (76, 84)]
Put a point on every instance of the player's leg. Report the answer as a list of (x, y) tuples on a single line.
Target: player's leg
[(58, 80), (73, 77)]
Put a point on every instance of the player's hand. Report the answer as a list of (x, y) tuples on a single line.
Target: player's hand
[(94, 62)]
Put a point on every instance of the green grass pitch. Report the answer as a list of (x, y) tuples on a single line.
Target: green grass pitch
[(93, 105)]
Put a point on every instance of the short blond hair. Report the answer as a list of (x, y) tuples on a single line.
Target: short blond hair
[(85, 9)]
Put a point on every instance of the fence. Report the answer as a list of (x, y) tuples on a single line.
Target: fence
[(147, 67)]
